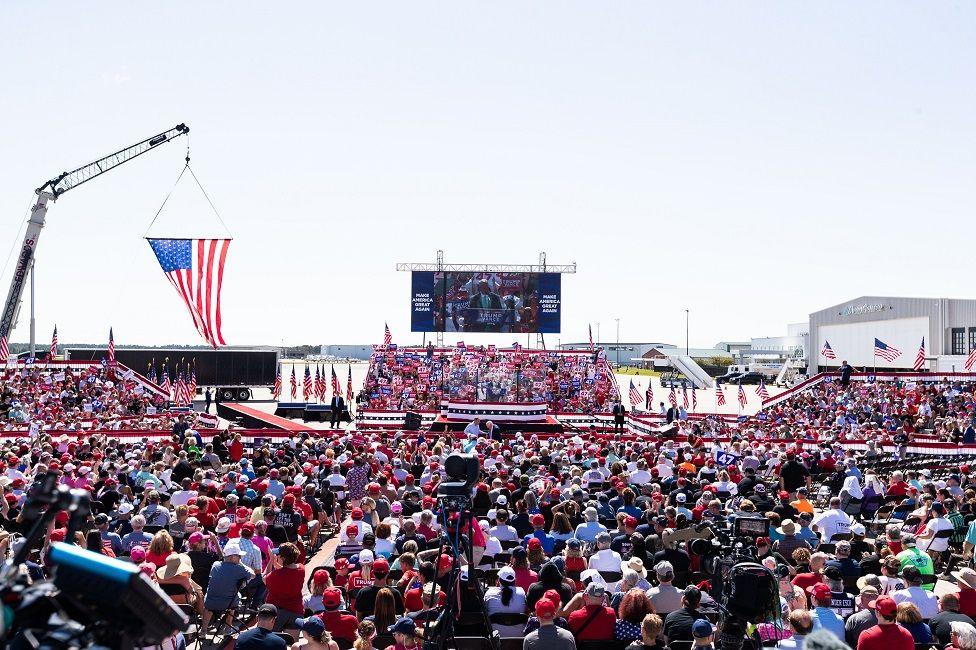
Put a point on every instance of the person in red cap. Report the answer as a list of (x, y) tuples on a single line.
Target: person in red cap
[(340, 624), (547, 541), (887, 634), (548, 636), (365, 602)]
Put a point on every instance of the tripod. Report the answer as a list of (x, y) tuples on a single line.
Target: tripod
[(440, 635)]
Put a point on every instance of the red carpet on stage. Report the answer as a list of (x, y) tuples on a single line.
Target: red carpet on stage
[(262, 419)]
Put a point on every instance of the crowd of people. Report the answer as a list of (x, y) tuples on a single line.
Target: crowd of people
[(72, 398), (420, 378), (574, 539)]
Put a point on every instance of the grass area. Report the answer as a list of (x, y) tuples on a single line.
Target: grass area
[(630, 370)]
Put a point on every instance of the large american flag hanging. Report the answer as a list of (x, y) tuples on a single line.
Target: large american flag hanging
[(4, 353), (387, 336), (195, 268), (307, 385), (336, 391), (719, 396), (54, 343), (649, 396), (743, 400), (885, 351)]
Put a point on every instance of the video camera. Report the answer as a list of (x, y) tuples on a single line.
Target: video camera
[(92, 600)]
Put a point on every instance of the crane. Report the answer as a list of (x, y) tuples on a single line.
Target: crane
[(50, 191)]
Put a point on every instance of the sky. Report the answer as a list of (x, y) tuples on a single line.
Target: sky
[(749, 162)]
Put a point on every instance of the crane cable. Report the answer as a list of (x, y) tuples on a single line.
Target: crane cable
[(186, 167)]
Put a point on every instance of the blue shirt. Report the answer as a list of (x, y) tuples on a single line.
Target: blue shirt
[(825, 618), (587, 531), (257, 638), (548, 541)]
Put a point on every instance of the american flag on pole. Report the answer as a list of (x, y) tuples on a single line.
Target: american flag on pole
[(165, 385), (111, 347), (635, 397), (828, 352), (387, 336), (336, 390), (762, 392), (307, 384), (195, 268), (294, 383), (673, 398), (4, 352), (743, 400), (276, 391), (182, 392), (694, 399), (649, 395), (151, 373), (920, 357), (719, 395), (684, 397), (970, 360), (591, 337), (349, 395), (319, 384), (885, 351), (54, 343), (193, 380)]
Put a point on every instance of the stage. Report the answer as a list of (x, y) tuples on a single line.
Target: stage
[(548, 425)]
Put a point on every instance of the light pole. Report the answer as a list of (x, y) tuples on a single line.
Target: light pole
[(686, 334), (618, 341)]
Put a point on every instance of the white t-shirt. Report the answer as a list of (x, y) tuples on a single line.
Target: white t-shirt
[(933, 526), (605, 560), (832, 522), (926, 601)]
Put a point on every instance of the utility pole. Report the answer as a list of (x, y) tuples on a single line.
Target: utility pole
[(618, 341), (686, 334)]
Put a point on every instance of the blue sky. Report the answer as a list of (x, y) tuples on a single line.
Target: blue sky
[(752, 162)]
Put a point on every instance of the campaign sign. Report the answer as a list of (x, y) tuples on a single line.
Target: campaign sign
[(725, 458)]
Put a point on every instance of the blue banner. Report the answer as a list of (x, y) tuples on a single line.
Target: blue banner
[(550, 302), (422, 302)]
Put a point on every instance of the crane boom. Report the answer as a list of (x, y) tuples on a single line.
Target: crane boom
[(50, 191)]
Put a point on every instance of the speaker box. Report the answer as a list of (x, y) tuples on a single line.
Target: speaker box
[(412, 421)]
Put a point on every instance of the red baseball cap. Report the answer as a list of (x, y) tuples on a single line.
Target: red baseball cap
[(445, 561), (630, 522), (320, 577), (544, 608), (352, 531), (538, 520), (535, 543), (357, 513), (331, 598), (819, 591), (381, 564), (885, 605)]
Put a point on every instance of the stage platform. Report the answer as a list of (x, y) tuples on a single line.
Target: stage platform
[(256, 419), (548, 425)]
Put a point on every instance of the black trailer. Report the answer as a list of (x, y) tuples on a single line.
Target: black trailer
[(231, 371)]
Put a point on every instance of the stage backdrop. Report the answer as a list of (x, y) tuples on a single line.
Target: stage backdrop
[(485, 302)]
